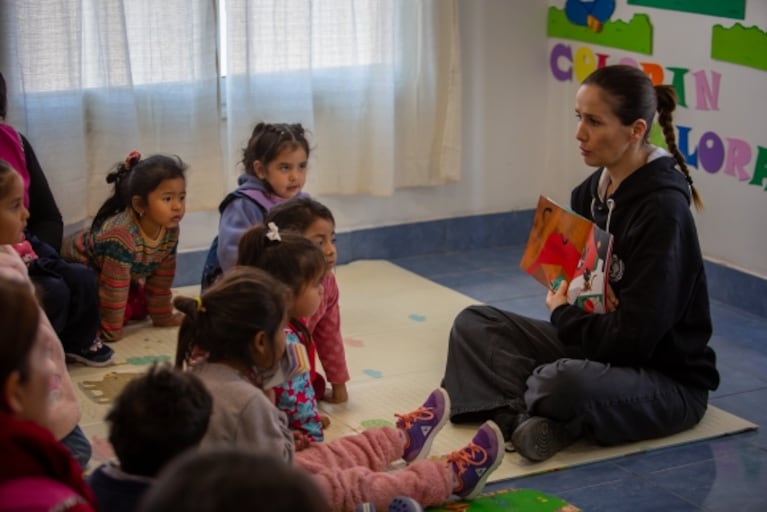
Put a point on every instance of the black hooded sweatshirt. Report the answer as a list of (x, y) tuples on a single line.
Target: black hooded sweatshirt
[(663, 319)]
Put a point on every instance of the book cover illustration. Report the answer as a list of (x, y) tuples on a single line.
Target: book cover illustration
[(563, 245)]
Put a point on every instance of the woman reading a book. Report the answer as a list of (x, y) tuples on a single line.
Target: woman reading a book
[(644, 368)]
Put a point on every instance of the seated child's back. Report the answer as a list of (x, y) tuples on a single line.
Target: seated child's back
[(156, 417)]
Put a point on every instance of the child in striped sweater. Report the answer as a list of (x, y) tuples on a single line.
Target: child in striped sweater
[(132, 241)]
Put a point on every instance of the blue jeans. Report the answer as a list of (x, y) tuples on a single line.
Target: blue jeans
[(79, 445)]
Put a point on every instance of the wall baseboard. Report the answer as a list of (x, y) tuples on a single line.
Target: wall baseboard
[(725, 284)]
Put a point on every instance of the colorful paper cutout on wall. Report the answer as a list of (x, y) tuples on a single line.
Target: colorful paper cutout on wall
[(735, 9), (746, 46), (634, 35), (589, 13)]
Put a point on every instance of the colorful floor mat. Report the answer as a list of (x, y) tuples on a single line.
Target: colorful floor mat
[(395, 325), (510, 500)]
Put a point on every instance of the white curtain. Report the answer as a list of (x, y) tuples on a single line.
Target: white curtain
[(377, 82), (91, 80)]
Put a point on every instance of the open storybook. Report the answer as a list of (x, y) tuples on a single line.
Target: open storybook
[(566, 246)]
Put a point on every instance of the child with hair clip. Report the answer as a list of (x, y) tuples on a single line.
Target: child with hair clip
[(132, 242), (300, 264), (37, 472), (315, 221), (240, 321), (275, 161)]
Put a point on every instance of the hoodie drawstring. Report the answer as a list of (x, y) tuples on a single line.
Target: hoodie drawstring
[(610, 206)]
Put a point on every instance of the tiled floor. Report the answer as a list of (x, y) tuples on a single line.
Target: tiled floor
[(726, 474)]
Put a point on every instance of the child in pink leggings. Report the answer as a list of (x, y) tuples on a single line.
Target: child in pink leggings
[(239, 322)]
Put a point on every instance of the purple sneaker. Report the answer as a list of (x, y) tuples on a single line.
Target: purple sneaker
[(404, 504), (421, 426), (474, 463)]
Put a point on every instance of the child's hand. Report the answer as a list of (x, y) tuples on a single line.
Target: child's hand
[(301, 440), (172, 321), (325, 420), (556, 298), (337, 395)]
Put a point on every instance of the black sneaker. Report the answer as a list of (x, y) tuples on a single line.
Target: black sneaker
[(508, 420), (97, 355), (538, 438)]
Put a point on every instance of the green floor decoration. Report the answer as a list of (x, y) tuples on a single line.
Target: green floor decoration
[(510, 500)]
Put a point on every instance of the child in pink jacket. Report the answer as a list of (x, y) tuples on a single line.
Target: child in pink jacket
[(315, 221)]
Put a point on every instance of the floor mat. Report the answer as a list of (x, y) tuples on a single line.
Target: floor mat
[(395, 325)]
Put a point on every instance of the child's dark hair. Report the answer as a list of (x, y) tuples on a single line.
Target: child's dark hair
[(6, 171), (269, 140), (224, 321), (633, 96), (137, 176), (226, 479), (290, 257), (293, 259), (19, 318), (156, 417), (298, 213)]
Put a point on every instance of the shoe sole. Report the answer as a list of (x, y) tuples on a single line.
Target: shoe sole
[(77, 358), (404, 504), (538, 439), (480, 486), (426, 448)]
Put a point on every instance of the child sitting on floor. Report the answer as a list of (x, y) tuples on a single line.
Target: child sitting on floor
[(133, 239), (37, 472), (315, 221), (275, 162), (298, 263), (156, 417), (64, 407), (240, 322), (69, 291)]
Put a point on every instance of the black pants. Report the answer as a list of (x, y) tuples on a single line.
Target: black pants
[(69, 295), (500, 359)]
